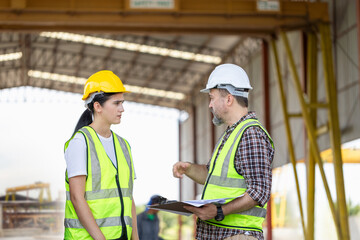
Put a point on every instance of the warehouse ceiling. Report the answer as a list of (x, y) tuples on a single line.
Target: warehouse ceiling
[(158, 69), (164, 56)]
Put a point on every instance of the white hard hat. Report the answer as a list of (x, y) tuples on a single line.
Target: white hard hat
[(231, 77)]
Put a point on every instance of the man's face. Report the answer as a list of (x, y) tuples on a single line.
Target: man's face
[(217, 106)]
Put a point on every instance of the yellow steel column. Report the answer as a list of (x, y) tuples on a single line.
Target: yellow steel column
[(288, 130), (312, 93), (335, 135), (41, 195), (311, 131), (48, 194)]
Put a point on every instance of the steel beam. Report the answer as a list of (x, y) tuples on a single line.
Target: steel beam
[(312, 93), (288, 130), (334, 126), (180, 184), (194, 130), (194, 133), (201, 16), (266, 101), (25, 44)]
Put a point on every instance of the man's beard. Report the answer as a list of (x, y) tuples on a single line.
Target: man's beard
[(216, 120)]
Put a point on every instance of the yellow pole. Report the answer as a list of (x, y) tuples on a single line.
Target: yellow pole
[(274, 215), (282, 210), (312, 93), (288, 130), (310, 131), (335, 135), (41, 195)]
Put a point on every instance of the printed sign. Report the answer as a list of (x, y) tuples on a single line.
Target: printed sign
[(152, 4), (268, 5)]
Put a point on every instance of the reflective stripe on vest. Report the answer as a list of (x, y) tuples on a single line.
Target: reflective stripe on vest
[(103, 222), (255, 211), (126, 153), (95, 164), (109, 193), (116, 194), (216, 186)]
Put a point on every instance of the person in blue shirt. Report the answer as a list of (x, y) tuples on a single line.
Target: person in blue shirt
[(148, 221)]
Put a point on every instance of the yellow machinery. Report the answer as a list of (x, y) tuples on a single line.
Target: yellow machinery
[(278, 202), (38, 185), (43, 213)]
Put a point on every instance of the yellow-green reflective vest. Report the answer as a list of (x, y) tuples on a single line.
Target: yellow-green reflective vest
[(224, 182), (108, 191)]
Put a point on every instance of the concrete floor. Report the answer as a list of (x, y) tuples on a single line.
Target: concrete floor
[(29, 234), (38, 237)]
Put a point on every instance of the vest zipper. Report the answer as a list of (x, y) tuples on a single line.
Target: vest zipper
[(124, 230), (207, 180)]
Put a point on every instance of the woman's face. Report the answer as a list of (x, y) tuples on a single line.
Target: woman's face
[(112, 109)]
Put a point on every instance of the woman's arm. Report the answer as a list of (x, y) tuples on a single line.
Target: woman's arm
[(134, 235), (77, 192)]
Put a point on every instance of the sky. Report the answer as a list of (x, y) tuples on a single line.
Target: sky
[(35, 123)]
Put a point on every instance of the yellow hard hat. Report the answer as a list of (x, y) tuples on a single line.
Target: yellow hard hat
[(103, 81)]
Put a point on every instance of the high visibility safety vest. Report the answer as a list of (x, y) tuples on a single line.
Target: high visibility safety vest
[(108, 191), (223, 181)]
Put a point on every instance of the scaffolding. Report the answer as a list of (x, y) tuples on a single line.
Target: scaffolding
[(309, 106)]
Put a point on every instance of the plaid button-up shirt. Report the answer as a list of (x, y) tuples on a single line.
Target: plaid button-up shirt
[(253, 161)]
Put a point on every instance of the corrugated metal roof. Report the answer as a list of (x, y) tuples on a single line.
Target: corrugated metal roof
[(144, 69)]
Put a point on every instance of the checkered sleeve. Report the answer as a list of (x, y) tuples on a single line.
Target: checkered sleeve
[(253, 161)]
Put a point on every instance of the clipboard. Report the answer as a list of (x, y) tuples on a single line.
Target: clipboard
[(173, 207), (178, 207)]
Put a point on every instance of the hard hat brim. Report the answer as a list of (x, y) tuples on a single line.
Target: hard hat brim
[(86, 96), (205, 90), (230, 89)]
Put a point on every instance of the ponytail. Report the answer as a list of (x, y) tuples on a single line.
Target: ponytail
[(84, 120)]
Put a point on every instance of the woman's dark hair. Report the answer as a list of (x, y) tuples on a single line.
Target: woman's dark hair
[(86, 117)]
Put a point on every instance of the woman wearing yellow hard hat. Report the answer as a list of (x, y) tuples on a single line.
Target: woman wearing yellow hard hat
[(100, 172)]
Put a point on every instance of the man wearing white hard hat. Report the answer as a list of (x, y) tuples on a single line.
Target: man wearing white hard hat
[(240, 167)]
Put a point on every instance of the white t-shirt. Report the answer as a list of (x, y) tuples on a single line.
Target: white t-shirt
[(76, 157)]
